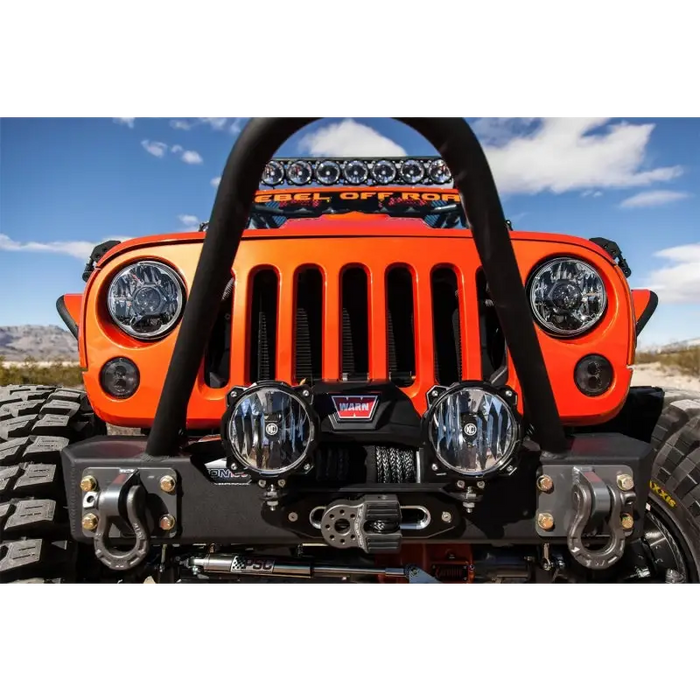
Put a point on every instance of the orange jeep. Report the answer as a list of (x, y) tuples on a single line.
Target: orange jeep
[(355, 370)]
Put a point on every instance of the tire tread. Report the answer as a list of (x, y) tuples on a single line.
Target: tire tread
[(36, 424)]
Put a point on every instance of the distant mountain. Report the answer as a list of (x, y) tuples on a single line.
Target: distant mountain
[(41, 343), (678, 346)]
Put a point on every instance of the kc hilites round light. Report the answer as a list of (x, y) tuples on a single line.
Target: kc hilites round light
[(473, 429), (271, 429)]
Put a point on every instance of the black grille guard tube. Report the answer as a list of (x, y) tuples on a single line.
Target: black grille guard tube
[(258, 142)]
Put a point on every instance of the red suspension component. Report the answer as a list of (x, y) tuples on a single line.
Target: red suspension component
[(449, 563)]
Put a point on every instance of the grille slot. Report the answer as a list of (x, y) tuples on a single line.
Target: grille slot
[(401, 339), (263, 329), (217, 357), (308, 346), (355, 338), (447, 330), (493, 344)]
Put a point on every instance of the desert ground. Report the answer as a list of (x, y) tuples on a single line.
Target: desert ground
[(67, 363), (654, 374)]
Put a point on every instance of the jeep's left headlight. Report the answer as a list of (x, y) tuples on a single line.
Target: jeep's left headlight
[(145, 299), (567, 296)]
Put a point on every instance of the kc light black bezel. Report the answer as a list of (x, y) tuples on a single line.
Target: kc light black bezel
[(439, 393), (304, 464)]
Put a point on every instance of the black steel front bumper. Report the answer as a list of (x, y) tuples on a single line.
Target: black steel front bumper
[(206, 512)]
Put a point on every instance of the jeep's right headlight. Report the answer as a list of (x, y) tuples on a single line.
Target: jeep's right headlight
[(146, 299), (567, 296)]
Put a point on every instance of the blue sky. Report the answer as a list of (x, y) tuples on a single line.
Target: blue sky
[(68, 184)]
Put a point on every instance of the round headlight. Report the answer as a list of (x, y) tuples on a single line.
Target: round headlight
[(273, 174), (145, 299), (439, 172), (473, 431), (328, 172), (271, 430), (355, 172), (300, 173), (412, 171), (567, 296), (384, 172)]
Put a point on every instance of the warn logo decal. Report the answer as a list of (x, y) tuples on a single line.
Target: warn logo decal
[(355, 407)]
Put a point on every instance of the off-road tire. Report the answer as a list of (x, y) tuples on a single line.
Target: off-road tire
[(675, 479), (36, 423)]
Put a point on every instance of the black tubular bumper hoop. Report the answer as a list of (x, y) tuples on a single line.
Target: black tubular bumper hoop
[(454, 139)]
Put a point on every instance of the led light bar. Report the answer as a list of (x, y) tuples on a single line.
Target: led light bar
[(299, 172)]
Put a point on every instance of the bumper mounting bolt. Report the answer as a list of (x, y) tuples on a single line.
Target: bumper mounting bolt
[(545, 483), (90, 521), (625, 482), (545, 521), (627, 522), (292, 517), (88, 483), (461, 485), (446, 517), (167, 522), (168, 483)]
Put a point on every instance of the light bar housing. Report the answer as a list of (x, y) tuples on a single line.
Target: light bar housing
[(428, 164)]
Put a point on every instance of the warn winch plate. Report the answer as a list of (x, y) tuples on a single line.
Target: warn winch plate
[(372, 412), (354, 407)]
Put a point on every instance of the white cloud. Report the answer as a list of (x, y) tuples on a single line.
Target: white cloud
[(127, 121), (192, 158), (189, 220), (215, 181), (562, 154), (75, 249), (653, 198), (155, 148), (233, 126), (679, 280), (216, 123), (592, 193), (349, 138), (159, 150)]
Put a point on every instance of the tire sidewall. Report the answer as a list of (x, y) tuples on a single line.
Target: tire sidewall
[(687, 526)]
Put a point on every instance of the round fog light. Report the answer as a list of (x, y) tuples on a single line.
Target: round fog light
[(593, 375), (473, 430), (120, 378), (271, 430)]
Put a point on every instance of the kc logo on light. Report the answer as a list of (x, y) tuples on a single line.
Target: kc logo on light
[(470, 430)]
